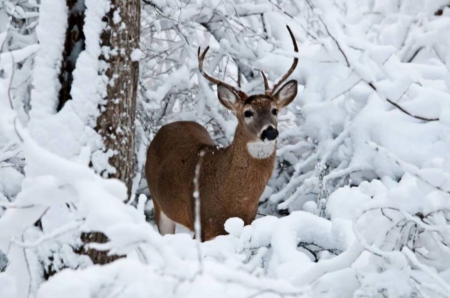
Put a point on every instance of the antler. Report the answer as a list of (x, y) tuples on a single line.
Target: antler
[(266, 84), (213, 80), (286, 75)]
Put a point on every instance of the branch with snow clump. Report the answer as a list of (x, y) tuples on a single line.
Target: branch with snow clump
[(442, 177), (355, 70)]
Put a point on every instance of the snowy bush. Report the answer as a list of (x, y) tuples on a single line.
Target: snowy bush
[(358, 205)]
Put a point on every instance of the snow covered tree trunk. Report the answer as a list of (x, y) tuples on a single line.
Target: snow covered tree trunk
[(116, 122)]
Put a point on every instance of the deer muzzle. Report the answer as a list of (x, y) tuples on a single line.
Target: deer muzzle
[(270, 134)]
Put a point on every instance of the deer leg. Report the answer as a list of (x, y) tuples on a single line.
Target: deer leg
[(164, 223)]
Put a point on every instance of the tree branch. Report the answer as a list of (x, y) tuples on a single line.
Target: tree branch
[(402, 109)]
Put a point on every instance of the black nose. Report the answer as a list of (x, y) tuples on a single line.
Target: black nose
[(269, 133)]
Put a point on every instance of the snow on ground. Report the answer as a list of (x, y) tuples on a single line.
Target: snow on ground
[(358, 205)]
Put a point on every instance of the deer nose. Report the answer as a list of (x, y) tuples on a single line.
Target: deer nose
[(270, 133)]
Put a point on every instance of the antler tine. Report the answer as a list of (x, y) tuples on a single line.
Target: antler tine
[(239, 77), (266, 84), (201, 58), (294, 64), (213, 80)]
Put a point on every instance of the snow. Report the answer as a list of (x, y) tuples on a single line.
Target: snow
[(358, 205), (136, 55), (6, 286), (116, 17), (234, 226), (51, 34)]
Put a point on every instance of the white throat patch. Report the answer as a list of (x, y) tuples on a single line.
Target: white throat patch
[(261, 149)]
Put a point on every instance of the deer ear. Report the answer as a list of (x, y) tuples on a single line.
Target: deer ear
[(286, 94), (227, 97)]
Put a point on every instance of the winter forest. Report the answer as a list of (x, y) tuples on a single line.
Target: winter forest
[(358, 201)]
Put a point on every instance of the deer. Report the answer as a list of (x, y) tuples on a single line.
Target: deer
[(232, 179)]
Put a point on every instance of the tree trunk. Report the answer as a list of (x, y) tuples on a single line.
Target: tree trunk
[(116, 123), (73, 45)]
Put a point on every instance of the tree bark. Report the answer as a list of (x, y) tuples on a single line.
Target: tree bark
[(73, 45), (116, 123)]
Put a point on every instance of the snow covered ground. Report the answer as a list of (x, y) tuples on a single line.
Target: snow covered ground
[(359, 202)]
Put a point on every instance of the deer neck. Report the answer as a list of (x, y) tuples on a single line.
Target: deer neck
[(239, 176), (244, 152)]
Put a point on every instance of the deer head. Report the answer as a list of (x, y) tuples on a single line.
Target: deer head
[(256, 114)]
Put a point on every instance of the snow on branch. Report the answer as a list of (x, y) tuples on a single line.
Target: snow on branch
[(356, 207)]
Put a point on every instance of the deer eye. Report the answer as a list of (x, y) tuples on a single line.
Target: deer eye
[(275, 112), (248, 114)]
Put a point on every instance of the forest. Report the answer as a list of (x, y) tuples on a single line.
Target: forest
[(357, 204)]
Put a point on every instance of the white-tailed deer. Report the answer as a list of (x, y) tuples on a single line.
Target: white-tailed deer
[(231, 179)]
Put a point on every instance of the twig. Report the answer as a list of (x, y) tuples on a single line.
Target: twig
[(415, 54), (10, 81), (57, 232), (402, 109), (279, 294), (409, 168), (319, 248), (197, 224), (322, 195), (328, 32), (290, 16), (344, 260), (412, 257), (15, 206), (16, 130), (369, 83)]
